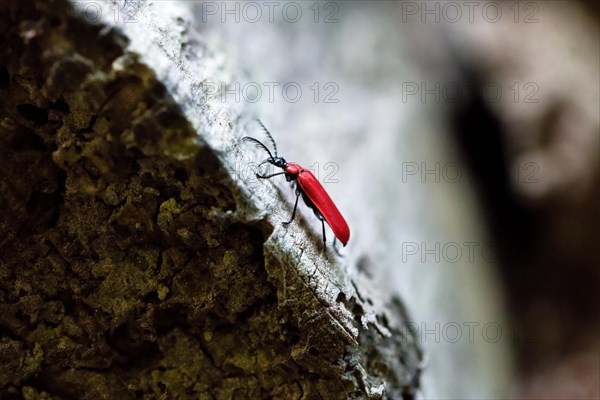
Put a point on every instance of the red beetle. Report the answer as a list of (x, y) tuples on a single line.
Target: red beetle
[(313, 193)]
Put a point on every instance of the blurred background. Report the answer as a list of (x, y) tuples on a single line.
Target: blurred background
[(461, 141)]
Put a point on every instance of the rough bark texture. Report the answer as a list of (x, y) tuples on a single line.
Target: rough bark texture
[(131, 264)]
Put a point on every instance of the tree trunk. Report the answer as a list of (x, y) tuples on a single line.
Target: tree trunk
[(134, 263)]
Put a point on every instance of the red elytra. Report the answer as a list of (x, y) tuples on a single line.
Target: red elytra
[(319, 197), (311, 190)]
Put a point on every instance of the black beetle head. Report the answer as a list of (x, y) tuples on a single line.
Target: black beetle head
[(277, 161)]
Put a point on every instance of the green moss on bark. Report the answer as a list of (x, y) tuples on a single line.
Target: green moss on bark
[(117, 280)]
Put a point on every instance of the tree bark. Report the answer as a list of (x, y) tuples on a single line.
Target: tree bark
[(133, 263)]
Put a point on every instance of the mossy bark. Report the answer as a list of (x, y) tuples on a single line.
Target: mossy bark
[(125, 271)]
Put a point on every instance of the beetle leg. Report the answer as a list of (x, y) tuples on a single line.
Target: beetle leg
[(298, 192), (269, 176), (335, 247), (322, 219)]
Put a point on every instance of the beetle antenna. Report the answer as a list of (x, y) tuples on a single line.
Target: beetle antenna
[(256, 142), (268, 134)]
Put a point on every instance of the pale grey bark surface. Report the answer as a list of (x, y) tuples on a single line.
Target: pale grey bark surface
[(227, 302), (370, 134), (377, 356), (134, 264)]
